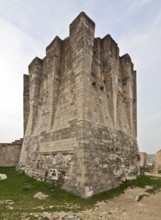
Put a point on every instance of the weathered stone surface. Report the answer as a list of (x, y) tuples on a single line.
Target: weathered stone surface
[(157, 162), (145, 162), (10, 153), (26, 107), (3, 176), (71, 217), (80, 113), (144, 159), (40, 196)]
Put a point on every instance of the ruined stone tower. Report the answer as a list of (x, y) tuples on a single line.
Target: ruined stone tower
[(80, 113)]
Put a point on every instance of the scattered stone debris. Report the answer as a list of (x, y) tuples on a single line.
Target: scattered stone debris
[(47, 215), (71, 217), (118, 208), (51, 206), (40, 196), (39, 207), (3, 176), (148, 187), (8, 202), (9, 207), (140, 196), (44, 215)]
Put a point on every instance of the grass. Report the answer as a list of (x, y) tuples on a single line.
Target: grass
[(20, 189)]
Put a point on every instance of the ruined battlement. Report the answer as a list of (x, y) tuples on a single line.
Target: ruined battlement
[(82, 20), (80, 113)]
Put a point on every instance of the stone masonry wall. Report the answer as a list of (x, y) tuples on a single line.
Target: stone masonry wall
[(10, 153), (26, 101), (80, 113)]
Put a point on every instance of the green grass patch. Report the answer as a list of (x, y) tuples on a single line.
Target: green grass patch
[(18, 189)]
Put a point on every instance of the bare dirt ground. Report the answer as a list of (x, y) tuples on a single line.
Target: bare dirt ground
[(123, 207)]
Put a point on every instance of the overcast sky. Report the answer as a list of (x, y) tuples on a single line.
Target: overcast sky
[(28, 26)]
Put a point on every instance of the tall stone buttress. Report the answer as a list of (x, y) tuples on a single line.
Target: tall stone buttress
[(80, 113)]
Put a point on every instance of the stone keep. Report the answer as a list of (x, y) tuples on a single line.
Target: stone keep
[(80, 113)]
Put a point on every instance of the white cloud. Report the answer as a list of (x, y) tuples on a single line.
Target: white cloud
[(16, 51), (144, 49)]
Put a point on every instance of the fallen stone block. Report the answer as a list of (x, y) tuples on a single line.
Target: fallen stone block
[(3, 176), (40, 196)]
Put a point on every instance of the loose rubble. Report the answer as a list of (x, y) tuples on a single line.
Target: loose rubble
[(40, 196), (3, 176)]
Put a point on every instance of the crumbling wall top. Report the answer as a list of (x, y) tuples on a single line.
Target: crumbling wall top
[(35, 61), (56, 42), (78, 19)]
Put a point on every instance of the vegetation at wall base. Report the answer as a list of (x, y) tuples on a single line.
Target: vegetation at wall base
[(17, 191)]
